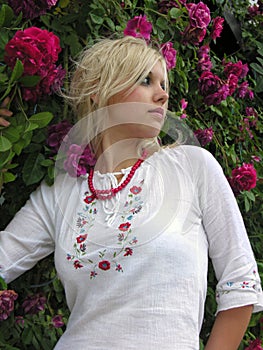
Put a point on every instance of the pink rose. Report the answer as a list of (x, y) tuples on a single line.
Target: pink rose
[(239, 69), (57, 134), (255, 345), (79, 160), (31, 8), (244, 91), (208, 83), (138, 27), (7, 298), (204, 136), (33, 304), (193, 35), (243, 178), (204, 63), (169, 54), (217, 27), (199, 15), (57, 321), (232, 83)]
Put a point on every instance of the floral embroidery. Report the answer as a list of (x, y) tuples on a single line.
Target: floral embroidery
[(104, 265), (107, 259), (231, 286), (135, 189), (125, 226), (81, 238)]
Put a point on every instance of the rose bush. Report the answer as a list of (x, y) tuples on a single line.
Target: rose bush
[(216, 90)]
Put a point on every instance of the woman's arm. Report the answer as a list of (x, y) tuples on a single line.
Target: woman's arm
[(229, 328)]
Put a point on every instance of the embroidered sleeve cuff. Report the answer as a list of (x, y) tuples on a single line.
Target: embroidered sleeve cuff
[(237, 294)]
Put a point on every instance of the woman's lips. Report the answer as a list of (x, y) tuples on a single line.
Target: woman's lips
[(159, 112)]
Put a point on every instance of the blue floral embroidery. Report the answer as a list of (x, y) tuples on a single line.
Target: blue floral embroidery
[(84, 222)]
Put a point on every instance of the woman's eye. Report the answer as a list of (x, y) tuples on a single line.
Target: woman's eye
[(163, 86), (146, 81)]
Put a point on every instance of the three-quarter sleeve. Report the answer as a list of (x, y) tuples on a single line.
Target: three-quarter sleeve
[(229, 246), (29, 236)]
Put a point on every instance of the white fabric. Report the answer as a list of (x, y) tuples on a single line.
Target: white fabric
[(156, 235)]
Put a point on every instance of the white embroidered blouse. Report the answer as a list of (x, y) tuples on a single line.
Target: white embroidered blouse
[(134, 267)]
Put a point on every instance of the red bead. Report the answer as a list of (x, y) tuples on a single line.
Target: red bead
[(107, 194)]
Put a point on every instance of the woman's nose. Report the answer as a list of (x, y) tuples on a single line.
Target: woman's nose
[(161, 96)]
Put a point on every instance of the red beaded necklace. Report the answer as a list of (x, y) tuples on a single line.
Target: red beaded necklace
[(107, 194)]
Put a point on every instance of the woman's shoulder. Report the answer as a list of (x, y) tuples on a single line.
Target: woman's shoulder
[(190, 153)]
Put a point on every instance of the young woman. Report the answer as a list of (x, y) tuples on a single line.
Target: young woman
[(132, 238)]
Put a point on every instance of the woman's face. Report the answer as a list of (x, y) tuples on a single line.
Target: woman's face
[(142, 112)]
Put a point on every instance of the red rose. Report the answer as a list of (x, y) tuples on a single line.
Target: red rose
[(104, 265), (243, 178), (38, 51), (35, 47), (199, 15)]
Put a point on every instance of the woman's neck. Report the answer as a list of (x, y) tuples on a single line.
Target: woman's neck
[(114, 156)]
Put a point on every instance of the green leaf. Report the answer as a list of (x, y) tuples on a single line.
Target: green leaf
[(96, 19), (33, 171), (251, 196), (3, 285), (47, 162), (175, 12), (6, 15), (27, 336), (5, 157), (31, 126), (17, 71), (260, 61), (162, 23), (8, 177), (64, 3), (257, 68), (110, 23), (18, 146), (216, 110), (247, 205), (41, 119), (5, 144), (16, 74), (11, 133), (30, 81)]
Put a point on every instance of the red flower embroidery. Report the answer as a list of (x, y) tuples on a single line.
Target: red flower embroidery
[(93, 274), (77, 264), (88, 199), (104, 265), (125, 226), (128, 251), (81, 238), (119, 268), (135, 189)]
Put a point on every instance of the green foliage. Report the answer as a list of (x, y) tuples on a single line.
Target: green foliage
[(26, 160)]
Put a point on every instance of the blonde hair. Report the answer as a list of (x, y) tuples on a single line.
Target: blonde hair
[(107, 68)]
